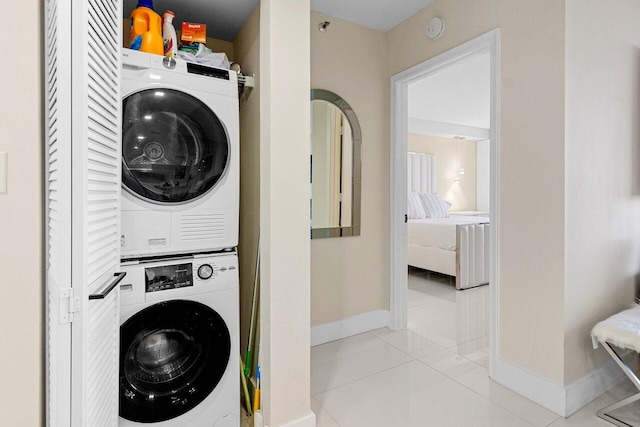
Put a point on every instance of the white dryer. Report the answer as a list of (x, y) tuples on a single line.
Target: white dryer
[(180, 156), (179, 342)]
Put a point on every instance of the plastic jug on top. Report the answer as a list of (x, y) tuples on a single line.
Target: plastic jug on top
[(169, 34), (146, 29)]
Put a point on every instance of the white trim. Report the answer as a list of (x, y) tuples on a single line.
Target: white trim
[(446, 130), (489, 42), (592, 385), (398, 202), (564, 401), (308, 420), (348, 327), (534, 387), (494, 197)]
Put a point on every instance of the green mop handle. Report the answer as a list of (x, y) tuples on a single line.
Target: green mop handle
[(254, 310), (247, 364)]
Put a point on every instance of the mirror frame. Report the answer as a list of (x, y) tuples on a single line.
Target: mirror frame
[(356, 133)]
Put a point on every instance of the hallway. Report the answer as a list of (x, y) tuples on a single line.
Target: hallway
[(433, 374)]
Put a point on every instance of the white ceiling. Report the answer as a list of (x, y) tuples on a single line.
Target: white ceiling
[(377, 14), (225, 18), (459, 94)]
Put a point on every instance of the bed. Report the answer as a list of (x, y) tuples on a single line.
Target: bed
[(458, 245)]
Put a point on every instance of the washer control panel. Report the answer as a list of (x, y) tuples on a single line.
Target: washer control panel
[(212, 269), (157, 279), (164, 277), (205, 271)]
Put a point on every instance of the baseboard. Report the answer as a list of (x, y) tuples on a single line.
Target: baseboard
[(308, 420), (592, 385), (563, 401), (532, 386), (350, 326)]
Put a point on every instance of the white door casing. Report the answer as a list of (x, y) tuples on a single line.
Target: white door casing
[(83, 188), (398, 187)]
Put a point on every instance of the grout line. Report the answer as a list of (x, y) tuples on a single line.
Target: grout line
[(475, 392), (453, 354), (555, 421), (327, 411), (475, 364), (470, 341), (446, 346), (366, 376), (488, 398), (396, 347), (452, 319)]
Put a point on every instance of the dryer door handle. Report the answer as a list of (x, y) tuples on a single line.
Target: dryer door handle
[(111, 286)]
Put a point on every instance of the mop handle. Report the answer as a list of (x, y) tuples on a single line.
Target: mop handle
[(247, 363), (254, 308), (245, 390), (256, 392)]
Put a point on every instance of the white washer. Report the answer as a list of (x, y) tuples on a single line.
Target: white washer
[(179, 342), (180, 157)]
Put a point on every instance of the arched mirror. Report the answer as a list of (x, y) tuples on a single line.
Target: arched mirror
[(335, 166)]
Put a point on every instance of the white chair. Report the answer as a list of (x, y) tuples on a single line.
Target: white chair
[(621, 330)]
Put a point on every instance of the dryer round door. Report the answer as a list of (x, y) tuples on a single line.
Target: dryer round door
[(174, 148), (172, 356)]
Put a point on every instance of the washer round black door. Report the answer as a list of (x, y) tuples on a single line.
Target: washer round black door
[(174, 148), (172, 356)]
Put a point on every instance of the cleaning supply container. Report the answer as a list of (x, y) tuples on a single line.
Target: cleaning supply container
[(169, 34), (146, 29)]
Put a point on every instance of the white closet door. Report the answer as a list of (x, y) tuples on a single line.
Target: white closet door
[(83, 71), (58, 210)]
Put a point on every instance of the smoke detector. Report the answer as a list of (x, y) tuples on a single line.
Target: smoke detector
[(435, 28)]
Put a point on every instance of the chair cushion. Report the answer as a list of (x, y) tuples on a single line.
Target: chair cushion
[(621, 330)]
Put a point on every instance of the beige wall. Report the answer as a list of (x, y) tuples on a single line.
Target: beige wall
[(247, 51), (21, 228), (216, 45), (285, 147), (531, 187), (451, 155), (350, 275), (602, 170)]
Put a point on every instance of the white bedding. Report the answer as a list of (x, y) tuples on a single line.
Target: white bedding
[(439, 232)]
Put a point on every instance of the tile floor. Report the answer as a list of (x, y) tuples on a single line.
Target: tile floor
[(435, 373)]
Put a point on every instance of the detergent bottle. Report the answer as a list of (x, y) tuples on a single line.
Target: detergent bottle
[(169, 34), (146, 29)]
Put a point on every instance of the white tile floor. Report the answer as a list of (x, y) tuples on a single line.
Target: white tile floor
[(433, 374)]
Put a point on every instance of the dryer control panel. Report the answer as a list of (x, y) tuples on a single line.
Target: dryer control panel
[(207, 71)]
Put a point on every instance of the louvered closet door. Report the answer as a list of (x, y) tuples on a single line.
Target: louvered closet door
[(96, 124), (83, 136), (58, 211)]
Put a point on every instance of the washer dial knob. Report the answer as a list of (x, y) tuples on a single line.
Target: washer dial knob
[(205, 271)]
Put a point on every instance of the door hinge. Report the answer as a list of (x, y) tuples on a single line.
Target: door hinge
[(68, 304), (406, 218)]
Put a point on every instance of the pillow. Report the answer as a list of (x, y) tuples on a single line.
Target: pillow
[(434, 206), (415, 210)]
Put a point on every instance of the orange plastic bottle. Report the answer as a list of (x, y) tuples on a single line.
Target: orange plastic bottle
[(146, 29)]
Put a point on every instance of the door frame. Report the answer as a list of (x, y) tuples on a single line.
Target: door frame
[(488, 42)]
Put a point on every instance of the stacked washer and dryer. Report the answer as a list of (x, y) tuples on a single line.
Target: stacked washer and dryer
[(179, 334)]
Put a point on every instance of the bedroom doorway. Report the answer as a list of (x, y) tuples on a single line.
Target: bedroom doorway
[(444, 161)]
